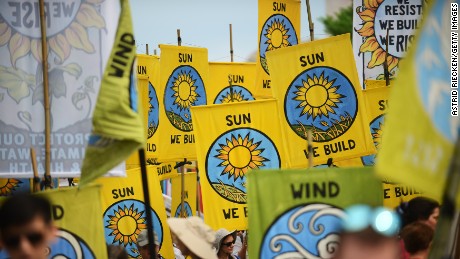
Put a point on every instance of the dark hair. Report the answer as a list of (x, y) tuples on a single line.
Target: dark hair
[(116, 252), (419, 208), (23, 208), (417, 237)]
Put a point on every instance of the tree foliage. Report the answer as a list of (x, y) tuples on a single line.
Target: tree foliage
[(340, 23)]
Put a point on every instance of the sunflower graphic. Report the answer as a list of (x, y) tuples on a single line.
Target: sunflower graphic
[(152, 112), (321, 100), (376, 131), (7, 186), (277, 32), (277, 35), (240, 155), (233, 94), (371, 43), (318, 96), (61, 37), (184, 90), (126, 223)]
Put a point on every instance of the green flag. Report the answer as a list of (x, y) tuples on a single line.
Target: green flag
[(117, 122), (297, 213)]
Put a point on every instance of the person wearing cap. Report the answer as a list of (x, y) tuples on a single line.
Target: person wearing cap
[(193, 237), (143, 245), (224, 244)]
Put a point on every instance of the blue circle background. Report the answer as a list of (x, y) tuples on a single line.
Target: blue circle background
[(169, 98), (430, 41), (154, 113), (213, 169), (308, 240), (158, 228), (349, 102), (188, 210), (370, 159), (288, 25), (245, 93), (63, 247)]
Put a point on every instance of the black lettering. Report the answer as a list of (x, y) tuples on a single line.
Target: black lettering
[(266, 83), (245, 209), (234, 213), (58, 212), (226, 213), (296, 193), (175, 139), (115, 194), (397, 192), (321, 190), (334, 189), (279, 7), (385, 194), (228, 119), (16, 13)]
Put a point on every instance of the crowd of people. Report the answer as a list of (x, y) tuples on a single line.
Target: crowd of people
[(405, 233)]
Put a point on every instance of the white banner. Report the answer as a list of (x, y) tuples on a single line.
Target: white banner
[(371, 21), (80, 35)]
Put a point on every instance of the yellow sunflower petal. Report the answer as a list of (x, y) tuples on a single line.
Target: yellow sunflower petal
[(78, 37), (367, 29), (367, 15), (369, 45), (392, 62), (372, 4), (89, 17), (60, 46), (36, 49), (19, 46), (5, 33), (377, 58)]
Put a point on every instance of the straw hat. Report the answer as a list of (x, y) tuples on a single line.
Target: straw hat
[(197, 236), (221, 234)]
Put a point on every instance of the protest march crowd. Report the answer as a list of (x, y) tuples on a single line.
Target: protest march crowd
[(174, 156)]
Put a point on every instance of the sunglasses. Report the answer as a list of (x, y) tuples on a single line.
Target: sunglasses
[(382, 220), (229, 243), (33, 238)]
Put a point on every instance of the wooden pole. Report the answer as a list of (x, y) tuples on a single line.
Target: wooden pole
[(147, 48), (386, 72), (179, 40), (310, 148), (36, 180), (231, 43), (311, 25), (148, 210), (198, 193), (155, 52), (48, 182)]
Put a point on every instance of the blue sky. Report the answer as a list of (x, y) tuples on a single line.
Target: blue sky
[(205, 23)]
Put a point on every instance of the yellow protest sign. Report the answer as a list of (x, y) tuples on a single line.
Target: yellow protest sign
[(233, 139), (124, 213), (394, 194), (317, 89), (231, 82), (279, 27), (189, 195), (183, 80), (78, 236)]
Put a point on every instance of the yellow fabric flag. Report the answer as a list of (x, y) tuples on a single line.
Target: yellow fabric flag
[(117, 120), (231, 82), (77, 214), (189, 195), (279, 27), (183, 80), (231, 140), (317, 89), (420, 126), (148, 76), (124, 214)]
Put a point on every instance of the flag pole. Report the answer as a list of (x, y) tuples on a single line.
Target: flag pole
[(311, 25), (310, 148), (444, 235), (198, 193), (147, 48), (46, 103), (182, 173), (231, 43), (36, 179), (386, 73), (148, 210), (179, 40)]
